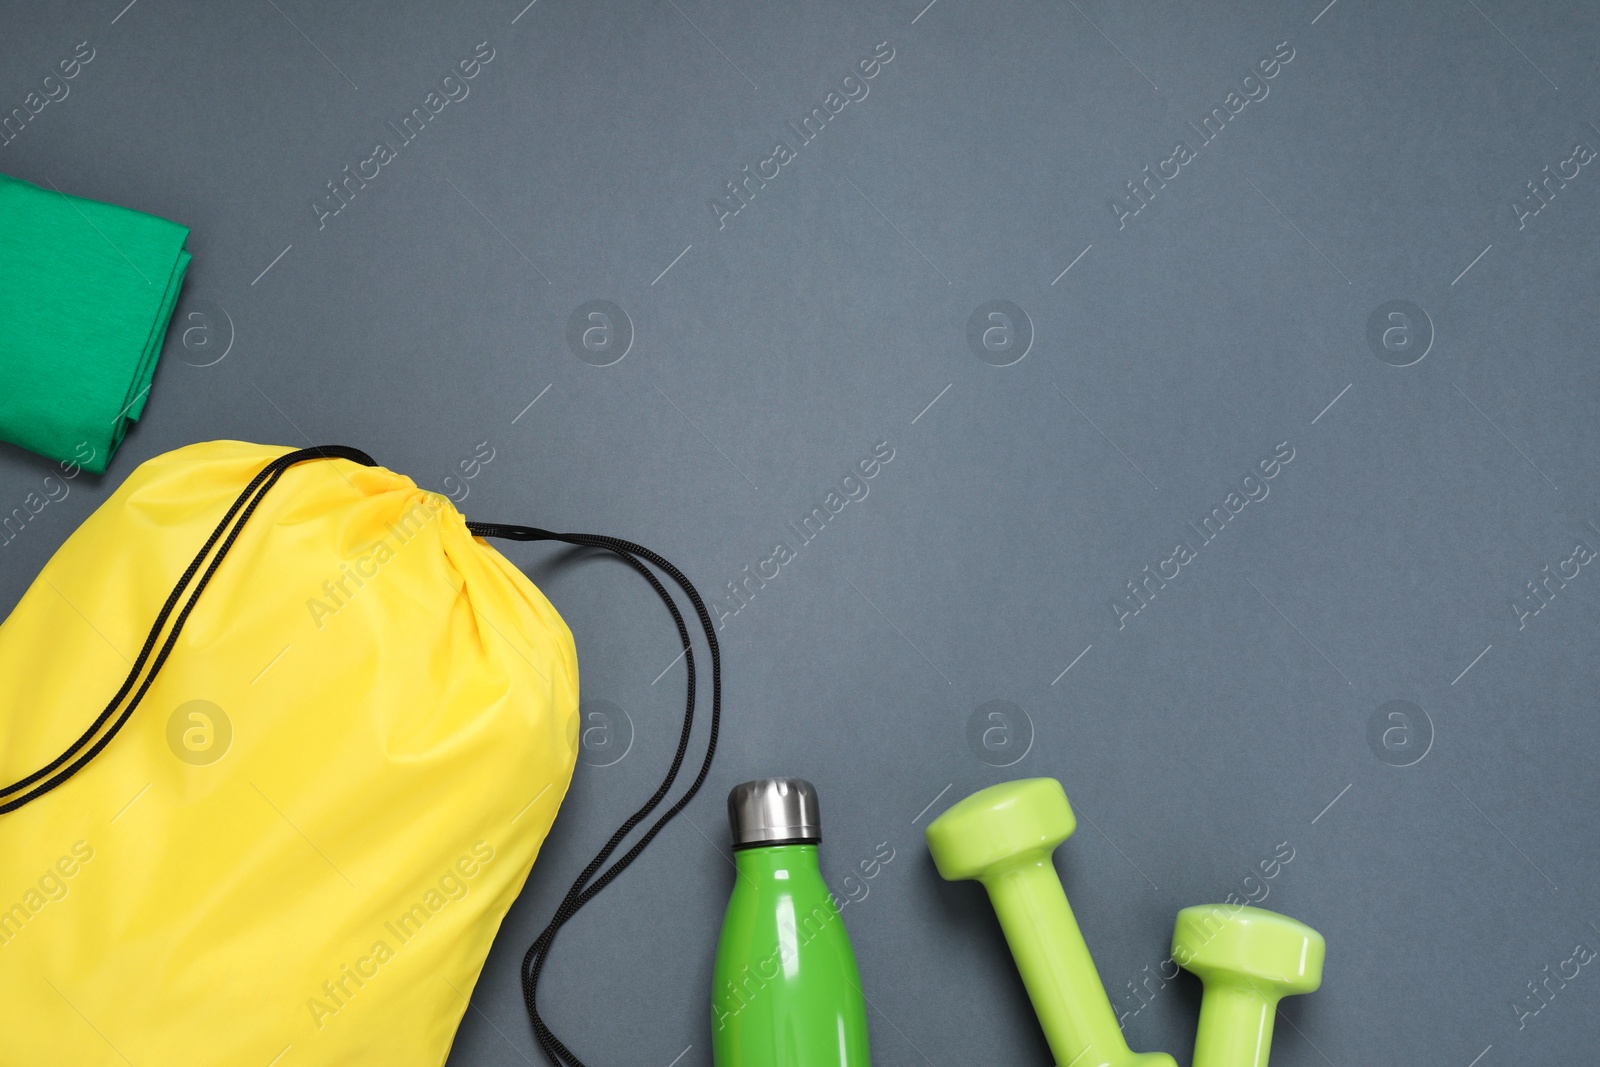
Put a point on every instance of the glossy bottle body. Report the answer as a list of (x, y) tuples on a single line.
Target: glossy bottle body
[(785, 991)]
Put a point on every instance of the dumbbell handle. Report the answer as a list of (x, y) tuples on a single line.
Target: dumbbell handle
[(1056, 967), (1235, 1025)]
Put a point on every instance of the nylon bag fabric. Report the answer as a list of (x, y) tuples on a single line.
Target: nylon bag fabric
[(301, 845)]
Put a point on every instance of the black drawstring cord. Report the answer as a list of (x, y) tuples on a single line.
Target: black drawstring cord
[(582, 891), (242, 507)]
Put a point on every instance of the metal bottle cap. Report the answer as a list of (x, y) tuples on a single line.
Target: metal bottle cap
[(771, 811)]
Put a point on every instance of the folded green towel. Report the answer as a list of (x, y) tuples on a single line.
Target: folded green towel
[(86, 291)]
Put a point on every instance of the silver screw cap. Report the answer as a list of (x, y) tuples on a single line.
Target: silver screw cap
[(770, 811)]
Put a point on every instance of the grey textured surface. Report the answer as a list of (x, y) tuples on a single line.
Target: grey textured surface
[(1244, 709)]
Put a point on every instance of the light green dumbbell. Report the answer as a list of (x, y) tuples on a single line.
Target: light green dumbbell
[(1003, 837), (1248, 959)]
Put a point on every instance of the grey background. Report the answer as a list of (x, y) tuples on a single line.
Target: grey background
[(1222, 720)]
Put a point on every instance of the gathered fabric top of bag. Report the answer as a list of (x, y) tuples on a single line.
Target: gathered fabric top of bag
[(300, 847)]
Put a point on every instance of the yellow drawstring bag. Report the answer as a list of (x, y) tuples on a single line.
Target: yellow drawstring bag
[(293, 835)]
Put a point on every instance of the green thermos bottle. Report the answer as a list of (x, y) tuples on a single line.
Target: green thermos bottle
[(786, 991)]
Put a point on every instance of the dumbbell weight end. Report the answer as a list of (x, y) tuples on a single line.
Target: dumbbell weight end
[(1248, 959)]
